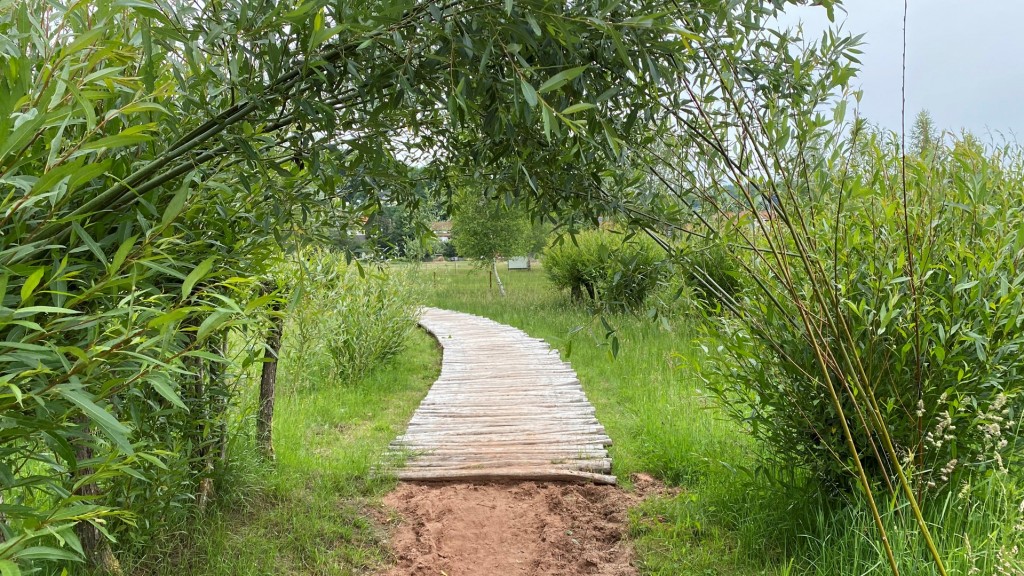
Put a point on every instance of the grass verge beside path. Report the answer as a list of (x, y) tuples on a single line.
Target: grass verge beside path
[(651, 405), (316, 511)]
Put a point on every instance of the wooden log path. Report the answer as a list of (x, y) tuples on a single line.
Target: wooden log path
[(504, 407)]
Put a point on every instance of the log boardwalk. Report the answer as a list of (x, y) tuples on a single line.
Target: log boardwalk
[(504, 407)]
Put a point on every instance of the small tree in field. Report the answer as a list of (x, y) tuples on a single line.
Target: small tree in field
[(924, 136), (483, 230)]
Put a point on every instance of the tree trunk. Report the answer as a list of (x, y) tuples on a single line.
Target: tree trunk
[(96, 547), (201, 440), (268, 381), (501, 287)]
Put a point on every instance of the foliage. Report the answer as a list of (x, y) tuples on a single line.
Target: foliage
[(616, 271), (353, 317), (447, 250), (483, 229), (316, 511), (156, 155), (960, 406), (397, 231), (925, 140), (153, 154), (709, 270), (540, 234)]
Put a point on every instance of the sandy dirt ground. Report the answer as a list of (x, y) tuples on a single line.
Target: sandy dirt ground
[(517, 529)]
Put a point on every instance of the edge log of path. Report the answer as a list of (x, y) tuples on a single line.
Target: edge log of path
[(505, 407)]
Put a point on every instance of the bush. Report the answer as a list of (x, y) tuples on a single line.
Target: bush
[(612, 270), (448, 250), (709, 270), (356, 318), (955, 408)]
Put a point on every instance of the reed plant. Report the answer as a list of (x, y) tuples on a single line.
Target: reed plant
[(878, 344), (610, 270), (344, 318)]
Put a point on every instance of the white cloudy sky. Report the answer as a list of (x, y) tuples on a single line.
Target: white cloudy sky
[(965, 61)]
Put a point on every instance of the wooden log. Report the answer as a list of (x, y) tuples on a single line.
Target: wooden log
[(490, 436), (581, 451), (515, 429), (536, 474), (499, 461), (427, 444), (603, 467)]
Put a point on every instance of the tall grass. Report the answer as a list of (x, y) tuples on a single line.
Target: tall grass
[(979, 526), (315, 509), (344, 318)]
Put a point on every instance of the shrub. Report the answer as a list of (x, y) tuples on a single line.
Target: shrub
[(709, 270), (934, 341), (448, 250), (357, 318), (615, 271)]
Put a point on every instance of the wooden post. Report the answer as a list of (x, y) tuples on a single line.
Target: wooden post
[(268, 382)]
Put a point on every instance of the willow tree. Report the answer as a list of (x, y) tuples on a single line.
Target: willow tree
[(484, 230), (154, 155)]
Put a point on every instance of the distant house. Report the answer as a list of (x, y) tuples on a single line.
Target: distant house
[(442, 229)]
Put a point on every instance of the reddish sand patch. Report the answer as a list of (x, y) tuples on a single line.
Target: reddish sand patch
[(528, 528)]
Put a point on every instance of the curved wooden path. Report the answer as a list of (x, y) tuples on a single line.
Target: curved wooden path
[(504, 407)]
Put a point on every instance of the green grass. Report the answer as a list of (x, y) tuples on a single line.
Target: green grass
[(650, 401), (316, 510)]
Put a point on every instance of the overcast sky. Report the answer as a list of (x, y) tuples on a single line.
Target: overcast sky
[(965, 61)]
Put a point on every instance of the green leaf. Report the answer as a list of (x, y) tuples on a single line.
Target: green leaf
[(115, 430), (33, 310), (549, 121), (529, 93), (320, 34), (643, 21), (965, 286), (578, 108), (168, 317), (211, 323), (122, 254), (87, 239), (196, 275), (153, 460), (117, 141), (46, 553), (8, 568), (137, 107), (71, 539), (163, 387), (175, 206), (30, 284), (561, 78)]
